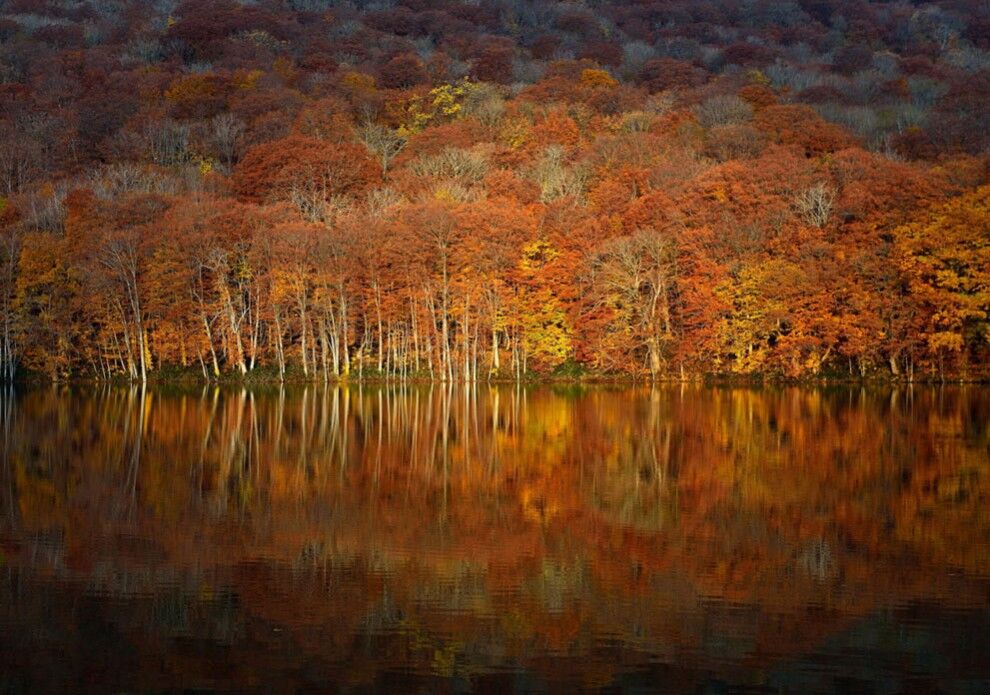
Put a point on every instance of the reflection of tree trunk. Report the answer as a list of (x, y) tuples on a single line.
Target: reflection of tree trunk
[(232, 451), (303, 428), (342, 425), (447, 397), (254, 441), (134, 438), (7, 405), (279, 420), (493, 462), (466, 424), (207, 436)]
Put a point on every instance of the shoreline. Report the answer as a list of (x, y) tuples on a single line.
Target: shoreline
[(708, 380)]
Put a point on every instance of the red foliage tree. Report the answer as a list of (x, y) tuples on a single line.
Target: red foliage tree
[(299, 165), (796, 124), (493, 64), (660, 74), (403, 70)]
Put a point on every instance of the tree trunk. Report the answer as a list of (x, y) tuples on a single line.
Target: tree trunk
[(302, 338), (279, 345), (234, 328)]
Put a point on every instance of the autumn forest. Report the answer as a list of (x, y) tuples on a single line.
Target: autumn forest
[(445, 190)]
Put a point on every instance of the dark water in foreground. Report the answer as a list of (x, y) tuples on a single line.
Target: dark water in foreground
[(498, 539)]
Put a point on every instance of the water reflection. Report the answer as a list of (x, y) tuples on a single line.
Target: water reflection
[(531, 539)]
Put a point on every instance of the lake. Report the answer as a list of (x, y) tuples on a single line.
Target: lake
[(507, 539)]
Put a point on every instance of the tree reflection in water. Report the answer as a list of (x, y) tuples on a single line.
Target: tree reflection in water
[(580, 536)]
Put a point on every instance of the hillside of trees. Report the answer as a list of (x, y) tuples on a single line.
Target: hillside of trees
[(473, 190)]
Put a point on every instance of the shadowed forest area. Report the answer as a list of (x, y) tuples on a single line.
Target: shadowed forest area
[(314, 189), (531, 539)]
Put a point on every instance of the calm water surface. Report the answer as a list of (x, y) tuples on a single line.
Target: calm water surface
[(498, 539)]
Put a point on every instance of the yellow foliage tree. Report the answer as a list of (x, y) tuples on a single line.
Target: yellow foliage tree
[(946, 259), (547, 339)]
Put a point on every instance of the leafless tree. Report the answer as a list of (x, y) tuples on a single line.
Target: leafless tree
[(167, 142), (10, 251), (724, 109), (379, 200), (556, 178), (815, 204), (453, 163), (635, 276), (120, 256), (485, 103), (382, 141), (226, 130), (45, 209), (121, 178), (20, 160)]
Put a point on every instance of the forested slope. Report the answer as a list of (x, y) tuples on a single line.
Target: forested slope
[(465, 190)]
